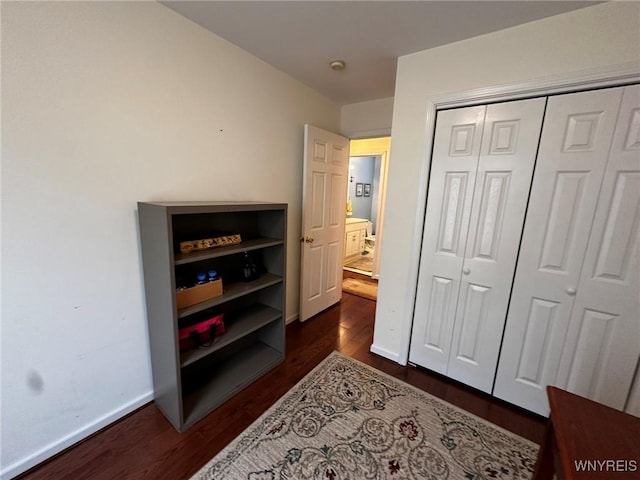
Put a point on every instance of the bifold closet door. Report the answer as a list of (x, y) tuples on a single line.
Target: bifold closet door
[(454, 163), (507, 159), (602, 349), (543, 345), (472, 231)]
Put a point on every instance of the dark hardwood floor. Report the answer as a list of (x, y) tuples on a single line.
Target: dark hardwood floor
[(144, 445)]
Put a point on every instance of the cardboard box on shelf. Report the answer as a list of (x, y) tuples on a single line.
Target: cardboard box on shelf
[(198, 293)]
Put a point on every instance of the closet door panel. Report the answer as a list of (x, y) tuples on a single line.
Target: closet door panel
[(453, 171), (508, 152), (603, 340), (573, 152)]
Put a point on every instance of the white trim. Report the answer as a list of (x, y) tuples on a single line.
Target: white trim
[(385, 353), (600, 77), (416, 241), (292, 318), (71, 439)]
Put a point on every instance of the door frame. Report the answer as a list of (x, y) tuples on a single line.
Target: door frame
[(601, 77), (374, 147)]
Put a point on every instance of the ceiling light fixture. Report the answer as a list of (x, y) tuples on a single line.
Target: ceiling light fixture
[(337, 65)]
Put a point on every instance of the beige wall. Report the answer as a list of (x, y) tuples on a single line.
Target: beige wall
[(598, 36), (367, 119), (105, 104)]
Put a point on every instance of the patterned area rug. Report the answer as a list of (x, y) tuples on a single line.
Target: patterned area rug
[(346, 420)]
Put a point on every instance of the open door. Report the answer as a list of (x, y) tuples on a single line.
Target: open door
[(375, 147), (326, 166)]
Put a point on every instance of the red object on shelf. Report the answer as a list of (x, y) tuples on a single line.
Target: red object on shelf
[(201, 334)]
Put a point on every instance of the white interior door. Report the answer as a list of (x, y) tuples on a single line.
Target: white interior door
[(574, 148), (326, 165), (603, 341), (507, 158), (454, 164)]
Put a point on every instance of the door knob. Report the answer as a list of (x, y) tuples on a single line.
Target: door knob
[(466, 270), (571, 291), (308, 239)]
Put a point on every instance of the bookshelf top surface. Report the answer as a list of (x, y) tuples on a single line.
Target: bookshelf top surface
[(220, 205)]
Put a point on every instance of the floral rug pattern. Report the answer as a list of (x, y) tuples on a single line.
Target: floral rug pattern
[(346, 420)]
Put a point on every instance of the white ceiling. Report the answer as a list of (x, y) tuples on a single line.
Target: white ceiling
[(302, 37)]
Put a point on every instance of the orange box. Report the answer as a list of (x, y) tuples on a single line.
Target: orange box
[(199, 293)]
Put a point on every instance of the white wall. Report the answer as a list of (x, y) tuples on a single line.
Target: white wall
[(105, 104), (598, 36), (367, 119)]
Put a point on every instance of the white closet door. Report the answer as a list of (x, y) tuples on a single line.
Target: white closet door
[(507, 157), (603, 341), (453, 170), (574, 147)]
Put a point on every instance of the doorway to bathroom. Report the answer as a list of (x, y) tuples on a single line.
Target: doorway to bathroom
[(368, 164)]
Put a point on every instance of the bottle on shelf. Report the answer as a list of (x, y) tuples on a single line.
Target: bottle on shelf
[(213, 275), (249, 269)]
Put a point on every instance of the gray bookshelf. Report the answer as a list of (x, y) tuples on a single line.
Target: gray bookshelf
[(190, 384)]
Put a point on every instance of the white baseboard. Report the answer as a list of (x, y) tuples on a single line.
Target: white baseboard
[(71, 439), (385, 353), (292, 318)]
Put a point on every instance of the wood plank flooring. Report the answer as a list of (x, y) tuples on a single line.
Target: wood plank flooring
[(144, 445)]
